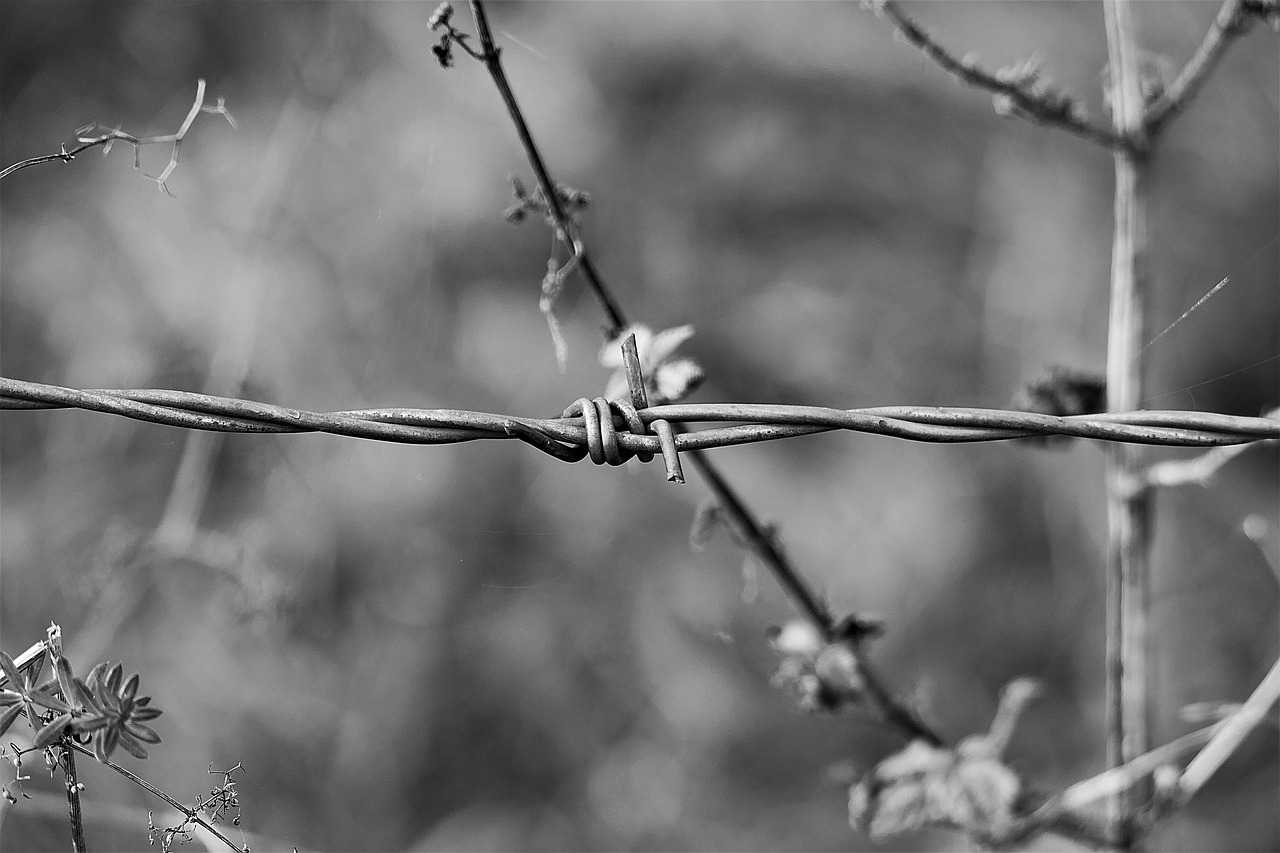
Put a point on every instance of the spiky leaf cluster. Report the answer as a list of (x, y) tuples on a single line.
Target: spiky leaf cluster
[(104, 709)]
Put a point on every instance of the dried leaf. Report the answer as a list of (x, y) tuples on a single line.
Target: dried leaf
[(924, 785), (557, 337)]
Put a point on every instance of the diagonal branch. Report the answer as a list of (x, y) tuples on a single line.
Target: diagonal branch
[(1233, 19), (1025, 95), (788, 576), (490, 55), (191, 814), (1230, 735), (107, 139)]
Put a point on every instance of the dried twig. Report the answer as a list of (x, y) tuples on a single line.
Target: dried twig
[(566, 230), (1111, 783), (1199, 470), (1018, 91), (1213, 745), (1233, 19), (1230, 733), (107, 139)]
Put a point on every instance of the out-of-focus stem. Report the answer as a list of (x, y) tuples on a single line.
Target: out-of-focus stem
[(1129, 509)]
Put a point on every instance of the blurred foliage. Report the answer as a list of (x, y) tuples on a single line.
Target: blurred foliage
[(478, 647)]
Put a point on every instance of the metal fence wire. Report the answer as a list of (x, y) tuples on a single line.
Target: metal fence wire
[(612, 431)]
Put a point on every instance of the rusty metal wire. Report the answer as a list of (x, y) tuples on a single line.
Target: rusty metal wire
[(583, 430)]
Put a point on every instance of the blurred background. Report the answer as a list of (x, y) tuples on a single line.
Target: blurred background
[(479, 647)]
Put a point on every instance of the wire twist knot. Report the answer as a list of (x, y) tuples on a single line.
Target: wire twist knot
[(599, 415)]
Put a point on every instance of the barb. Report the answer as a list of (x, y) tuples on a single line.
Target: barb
[(640, 400)]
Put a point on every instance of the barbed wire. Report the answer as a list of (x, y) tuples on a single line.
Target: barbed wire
[(613, 431)]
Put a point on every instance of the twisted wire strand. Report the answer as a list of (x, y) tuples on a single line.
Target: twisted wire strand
[(610, 432)]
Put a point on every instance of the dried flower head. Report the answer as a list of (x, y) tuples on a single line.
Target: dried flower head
[(822, 676), (441, 16)]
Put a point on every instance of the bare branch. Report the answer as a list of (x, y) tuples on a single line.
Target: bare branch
[(1230, 734), (1233, 19), (565, 228), (1199, 470), (1018, 91), (1117, 780), (106, 139)]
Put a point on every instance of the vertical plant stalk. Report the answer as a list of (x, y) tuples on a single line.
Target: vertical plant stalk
[(1129, 508), (73, 797)]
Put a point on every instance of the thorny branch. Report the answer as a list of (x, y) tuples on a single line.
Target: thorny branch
[(108, 138)]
